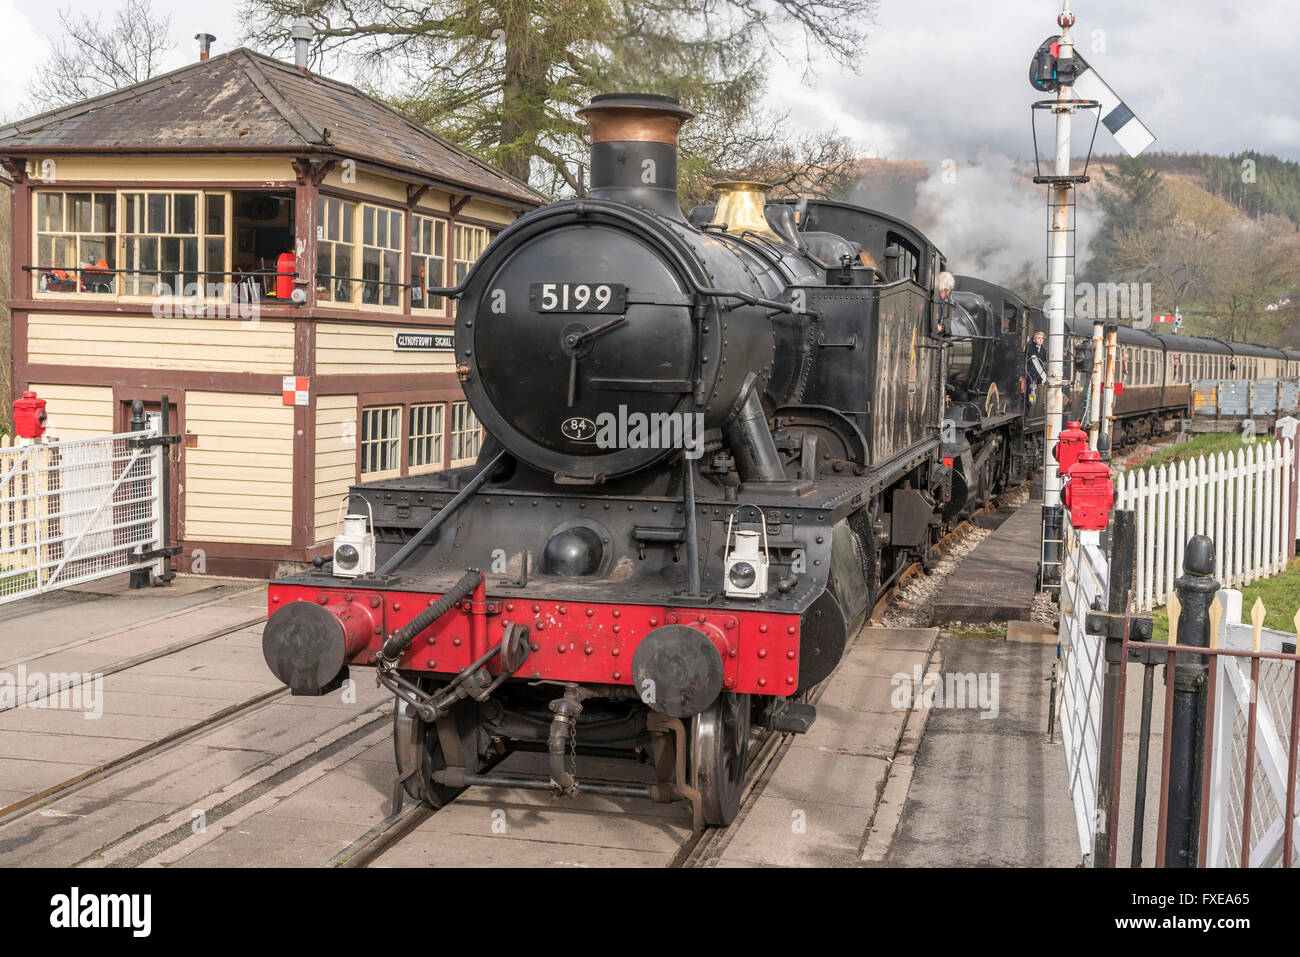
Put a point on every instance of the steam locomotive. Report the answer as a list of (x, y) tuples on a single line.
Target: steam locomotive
[(712, 443)]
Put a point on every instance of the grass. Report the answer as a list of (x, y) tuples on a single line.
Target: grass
[(1208, 443), (1280, 595), (977, 631)]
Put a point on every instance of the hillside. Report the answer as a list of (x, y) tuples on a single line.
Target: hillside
[(1226, 258)]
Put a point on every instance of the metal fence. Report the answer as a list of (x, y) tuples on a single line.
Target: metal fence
[(1225, 719), (1244, 500), (1253, 744), (75, 511)]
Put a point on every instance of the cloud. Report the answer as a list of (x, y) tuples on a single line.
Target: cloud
[(944, 78)]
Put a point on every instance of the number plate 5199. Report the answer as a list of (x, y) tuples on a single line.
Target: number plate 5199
[(577, 297)]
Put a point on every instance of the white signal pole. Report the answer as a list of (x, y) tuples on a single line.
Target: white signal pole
[(1059, 268)]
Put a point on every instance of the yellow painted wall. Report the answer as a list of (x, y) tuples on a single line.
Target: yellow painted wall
[(254, 170), (336, 458), (77, 411), (207, 345), (364, 181), (479, 209), (239, 478), (346, 348)]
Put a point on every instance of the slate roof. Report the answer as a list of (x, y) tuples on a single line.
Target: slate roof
[(243, 101)]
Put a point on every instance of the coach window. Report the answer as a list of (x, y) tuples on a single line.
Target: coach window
[(466, 435), (424, 445), (335, 249), (428, 261), (381, 435)]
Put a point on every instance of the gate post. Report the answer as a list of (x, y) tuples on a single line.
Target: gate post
[(1123, 556), (1195, 588), (140, 577)]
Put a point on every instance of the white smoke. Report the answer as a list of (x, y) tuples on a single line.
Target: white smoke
[(990, 219)]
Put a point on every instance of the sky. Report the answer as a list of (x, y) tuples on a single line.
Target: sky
[(937, 79)]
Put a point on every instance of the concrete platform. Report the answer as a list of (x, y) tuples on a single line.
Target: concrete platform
[(987, 791), (996, 581), (819, 802)]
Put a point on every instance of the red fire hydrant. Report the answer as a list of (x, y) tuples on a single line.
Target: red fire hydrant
[(29, 416), (1089, 494), (1072, 441)]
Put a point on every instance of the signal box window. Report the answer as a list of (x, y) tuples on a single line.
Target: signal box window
[(466, 435), (425, 442), (381, 436), (76, 232), (381, 256), (428, 261), (335, 249)]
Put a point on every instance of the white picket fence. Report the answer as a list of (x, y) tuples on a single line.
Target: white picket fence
[(1242, 500)]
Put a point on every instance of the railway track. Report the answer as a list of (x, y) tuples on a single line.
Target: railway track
[(267, 786), (702, 848), (19, 809)]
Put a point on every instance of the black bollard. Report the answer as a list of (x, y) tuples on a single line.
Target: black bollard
[(1195, 588)]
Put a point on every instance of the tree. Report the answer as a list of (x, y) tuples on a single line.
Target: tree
[(1255, 267), (504, 78), (93, 58), (1128, 203)]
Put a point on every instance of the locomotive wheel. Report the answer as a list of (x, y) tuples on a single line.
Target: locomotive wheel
[(719, 753), (427, 750)]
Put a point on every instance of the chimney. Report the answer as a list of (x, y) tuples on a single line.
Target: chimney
[(634, 149), (301, 33), (205, 44)]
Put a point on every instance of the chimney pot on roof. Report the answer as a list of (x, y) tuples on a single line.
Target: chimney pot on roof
[(205, 44), (301, 33)]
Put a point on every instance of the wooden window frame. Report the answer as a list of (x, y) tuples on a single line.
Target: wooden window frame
[(441, 408), (402, 250), (452, 432), (397, 440), (445, 225), (120, 238), (322, 201)]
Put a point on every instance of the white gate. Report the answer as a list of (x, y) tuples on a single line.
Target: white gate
[(1271, 746), (76, 511), (1085, 574)]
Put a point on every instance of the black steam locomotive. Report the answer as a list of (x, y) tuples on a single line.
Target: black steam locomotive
[(713, 442)]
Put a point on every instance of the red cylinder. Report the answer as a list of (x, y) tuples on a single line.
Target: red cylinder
[(1071, 442), (29, 416), (284, 266), (1089, 494)]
